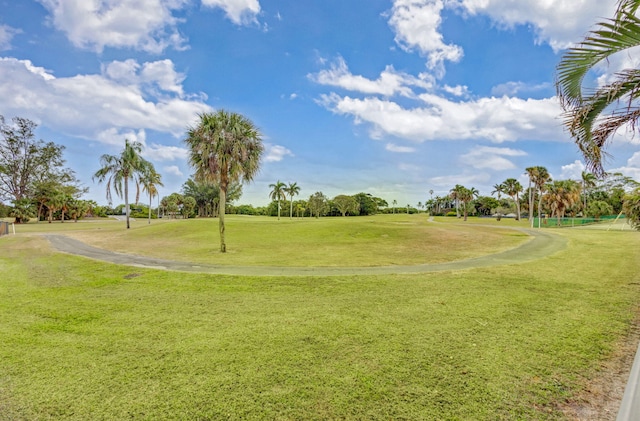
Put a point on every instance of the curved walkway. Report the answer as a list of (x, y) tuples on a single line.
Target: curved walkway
[(539, 245)]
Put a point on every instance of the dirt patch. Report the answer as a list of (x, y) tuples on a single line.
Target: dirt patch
[(601, 396)]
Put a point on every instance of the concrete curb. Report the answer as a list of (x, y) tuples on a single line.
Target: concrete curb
[(630, 405)]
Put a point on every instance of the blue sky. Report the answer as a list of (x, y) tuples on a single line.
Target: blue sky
[(390, 97)]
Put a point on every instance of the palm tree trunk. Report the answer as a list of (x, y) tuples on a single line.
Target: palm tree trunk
[(291, 208), (149, 208), (126, 199), (221, 207)]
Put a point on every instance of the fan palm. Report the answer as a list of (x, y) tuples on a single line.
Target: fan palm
[(119, 169), (584, 108), (224, 147)]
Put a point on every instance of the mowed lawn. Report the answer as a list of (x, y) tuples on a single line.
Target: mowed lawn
[(81, 339), (362, 241)]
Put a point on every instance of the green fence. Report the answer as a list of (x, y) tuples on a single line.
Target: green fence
[(574, 222)]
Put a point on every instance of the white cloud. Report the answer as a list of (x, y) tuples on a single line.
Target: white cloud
[(391, 147), (632, 169), (97, 106), (486, 157), (173, 170), (495, 119), (6, 35), (416, 24), (514, 88), (468, 179), (241, 12), (389, 83), (147, 25), (559, 23), (157, 152), (572, 171), (276, 153)]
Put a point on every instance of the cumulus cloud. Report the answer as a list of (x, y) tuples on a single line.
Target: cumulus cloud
[(389, 83), (572, 171), (559, 23), (391, 147), (147, 25), (276, 153), (486, 157), (495, 119), (97, 106), (173, 170), (240, 12), (632, 168), (416, 24)]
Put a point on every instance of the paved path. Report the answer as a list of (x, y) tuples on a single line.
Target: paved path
[(540, 244)]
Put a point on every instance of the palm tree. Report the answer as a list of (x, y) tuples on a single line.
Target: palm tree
[(498, 190), (224, 148), (278, 193), (395, 202), (150, 181), (293, 189), (562, 195), (455, 195), (588, 181), (542, 179), (119, 169), (512, 187), (466, 196), (584, 106)]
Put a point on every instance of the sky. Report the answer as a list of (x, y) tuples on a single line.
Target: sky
[(395, 98)]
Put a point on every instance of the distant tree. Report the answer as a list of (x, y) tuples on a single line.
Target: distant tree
[(598, 208), (485, 205), (631, 208), (118, 170), (278, 193), (562, 195), (395, 203), (346, 204), (293, 189), (513, 188), (454, 193), (188, 206), (150, 181), (367, 203), (224, 147), (466, 196), (318, 204), (25, 161)]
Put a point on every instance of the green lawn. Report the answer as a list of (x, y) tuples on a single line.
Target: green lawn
[(88, 340)]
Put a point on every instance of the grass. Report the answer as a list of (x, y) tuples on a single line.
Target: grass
[(88, 340), (372, 241)]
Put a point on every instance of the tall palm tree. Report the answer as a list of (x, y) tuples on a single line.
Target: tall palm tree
[(588, 181), (293, 189), (395, 202), (466, 196), (150, 181), (584, 106), (498, 190), (512, 187), (119, 169), (455, 195), (278, 193), (542, 179), (224, 148), (532, 173)]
